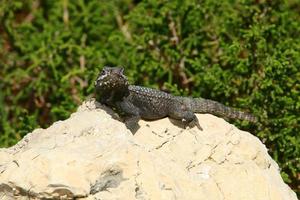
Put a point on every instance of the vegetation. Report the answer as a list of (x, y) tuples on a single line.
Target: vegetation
[(243, 53)]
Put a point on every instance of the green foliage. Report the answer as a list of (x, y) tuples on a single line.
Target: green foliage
[(243, 53)]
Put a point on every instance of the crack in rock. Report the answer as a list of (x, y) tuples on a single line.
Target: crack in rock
[(172, 138), (16, 192), (139, 192)]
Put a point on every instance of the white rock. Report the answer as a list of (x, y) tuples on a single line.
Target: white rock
[(93, 156)]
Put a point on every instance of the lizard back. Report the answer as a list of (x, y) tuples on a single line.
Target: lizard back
[(153, 104)]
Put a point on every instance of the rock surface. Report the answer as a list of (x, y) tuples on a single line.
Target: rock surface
[(93, 156)]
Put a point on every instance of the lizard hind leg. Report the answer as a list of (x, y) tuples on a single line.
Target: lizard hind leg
[(191, 120), (195, 122), (186, 116)]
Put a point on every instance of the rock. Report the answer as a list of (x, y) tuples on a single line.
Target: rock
[(93, 156)]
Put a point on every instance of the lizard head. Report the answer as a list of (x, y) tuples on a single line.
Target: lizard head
[(111, 78)]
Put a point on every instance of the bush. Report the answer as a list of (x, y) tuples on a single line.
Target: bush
[(243, 53)]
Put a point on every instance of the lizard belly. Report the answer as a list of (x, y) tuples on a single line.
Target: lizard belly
[(151, 115)]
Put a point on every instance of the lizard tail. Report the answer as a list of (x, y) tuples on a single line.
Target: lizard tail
[(201, 105)]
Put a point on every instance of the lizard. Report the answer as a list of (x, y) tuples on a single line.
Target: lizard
[(136, 102)]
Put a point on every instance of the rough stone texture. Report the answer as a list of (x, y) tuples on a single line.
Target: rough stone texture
[(93, 156)]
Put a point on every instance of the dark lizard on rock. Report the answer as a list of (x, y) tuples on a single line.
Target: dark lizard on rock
[(135, 102)]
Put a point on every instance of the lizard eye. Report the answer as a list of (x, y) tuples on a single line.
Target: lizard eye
[(103, 72)]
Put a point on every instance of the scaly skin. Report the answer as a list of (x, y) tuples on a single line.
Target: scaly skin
[(135, 102)]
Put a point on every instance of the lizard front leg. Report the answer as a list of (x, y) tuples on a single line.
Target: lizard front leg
[(131, 112)]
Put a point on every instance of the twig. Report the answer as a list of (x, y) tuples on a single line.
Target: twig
[(123, 26)]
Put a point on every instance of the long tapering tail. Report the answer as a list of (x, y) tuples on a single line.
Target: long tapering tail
[(200, 105)]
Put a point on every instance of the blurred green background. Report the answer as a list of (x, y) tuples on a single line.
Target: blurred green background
[(242, 53)]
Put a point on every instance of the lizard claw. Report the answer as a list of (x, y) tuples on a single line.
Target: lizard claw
[(195, 122)]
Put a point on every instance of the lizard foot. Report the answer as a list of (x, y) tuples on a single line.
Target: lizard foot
[(193, 123), (132, 124)]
